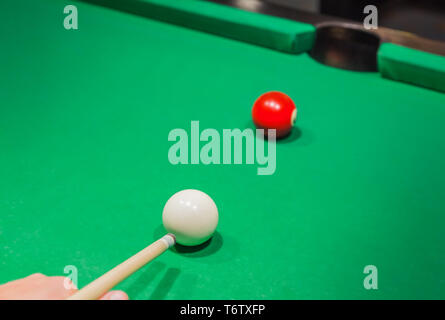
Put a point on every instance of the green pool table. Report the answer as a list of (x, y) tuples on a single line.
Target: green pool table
[(84, 171)]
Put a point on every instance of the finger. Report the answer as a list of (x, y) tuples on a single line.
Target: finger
[(61, 287), (115, 295), (36, 276)]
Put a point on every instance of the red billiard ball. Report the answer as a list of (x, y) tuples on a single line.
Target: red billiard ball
[(274, 110)]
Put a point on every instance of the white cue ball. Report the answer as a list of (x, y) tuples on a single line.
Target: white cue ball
[(191, 215)]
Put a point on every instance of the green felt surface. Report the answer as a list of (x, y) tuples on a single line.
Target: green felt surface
[(412, 66), (271, 32), (84, 173)]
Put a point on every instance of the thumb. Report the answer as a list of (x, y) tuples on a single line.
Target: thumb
[(115, 295)]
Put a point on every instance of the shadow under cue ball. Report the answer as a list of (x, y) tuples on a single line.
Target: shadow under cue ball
[(191, 215)]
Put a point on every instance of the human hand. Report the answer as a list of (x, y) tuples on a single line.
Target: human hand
[(40, 287)]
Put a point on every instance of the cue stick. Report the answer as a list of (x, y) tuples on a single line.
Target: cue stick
[(97, 288)]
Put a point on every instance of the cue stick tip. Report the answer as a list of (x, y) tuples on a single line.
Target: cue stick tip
[(169, 239)]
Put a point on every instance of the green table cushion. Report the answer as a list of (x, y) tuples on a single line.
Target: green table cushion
[(417, 67), (267, 31)]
